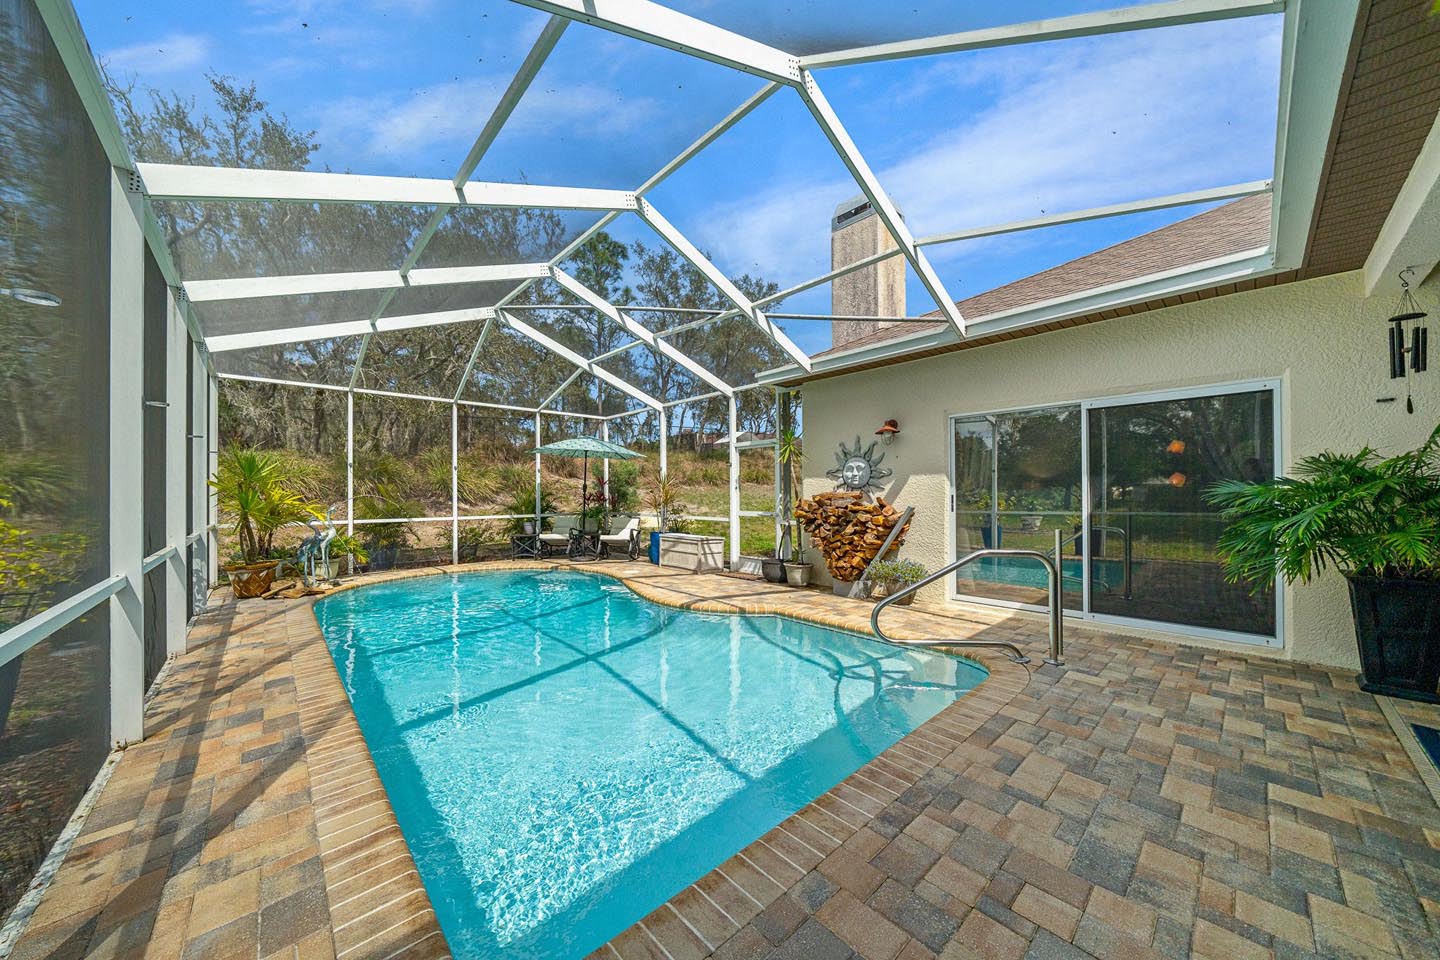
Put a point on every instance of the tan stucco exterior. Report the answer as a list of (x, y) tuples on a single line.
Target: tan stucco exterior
[(1319, 338)]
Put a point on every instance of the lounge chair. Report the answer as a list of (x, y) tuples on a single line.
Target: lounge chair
[(559, 541), (627, 538)]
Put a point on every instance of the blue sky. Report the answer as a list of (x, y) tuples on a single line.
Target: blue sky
[(402, 87)]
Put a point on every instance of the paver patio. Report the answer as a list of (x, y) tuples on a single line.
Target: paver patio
[(1144, 800)]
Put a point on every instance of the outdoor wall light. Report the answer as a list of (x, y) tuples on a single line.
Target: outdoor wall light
[(1176, 447), (887, 432), (1177, 479), (39, 298)]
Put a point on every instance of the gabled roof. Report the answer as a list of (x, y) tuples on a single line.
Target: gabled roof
[(1231, 228)]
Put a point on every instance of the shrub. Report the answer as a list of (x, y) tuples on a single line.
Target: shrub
[(34, 483), (897, 573)]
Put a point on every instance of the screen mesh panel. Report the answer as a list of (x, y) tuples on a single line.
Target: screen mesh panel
[(328, 361), (254, 314), (54, 441), (608, 111), (226, 239), (481, 236), (817, 26), (426, 360), (989, 136)]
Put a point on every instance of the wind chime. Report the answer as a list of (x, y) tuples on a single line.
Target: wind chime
[(1405, 360)]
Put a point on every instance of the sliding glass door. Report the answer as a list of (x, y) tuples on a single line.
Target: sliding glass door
[(1123, 480), (1018, 479)]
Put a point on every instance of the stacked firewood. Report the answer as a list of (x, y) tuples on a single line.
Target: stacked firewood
[(848, 531)]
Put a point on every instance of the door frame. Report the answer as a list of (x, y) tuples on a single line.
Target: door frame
[(1273, 384)]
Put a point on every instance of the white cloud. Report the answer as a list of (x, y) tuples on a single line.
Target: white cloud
[(453, 112), (1063, 128), (176, 52)]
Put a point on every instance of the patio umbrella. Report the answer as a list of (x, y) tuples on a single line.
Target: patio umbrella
[(585, 448)]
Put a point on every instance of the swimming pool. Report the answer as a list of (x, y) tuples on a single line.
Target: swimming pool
[(564, 756)]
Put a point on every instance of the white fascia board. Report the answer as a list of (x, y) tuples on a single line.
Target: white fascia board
[(1410, 237), (1198, 276), (1122, 20), (1315, 47), (664, 27), (850, 155), (244, 288), (168, 181), (348, 328), (700, 262), (564, 352), (637, 330), (1233, 192)]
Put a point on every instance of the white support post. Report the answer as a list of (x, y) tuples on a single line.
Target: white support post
[(127, 469), (538, 442), (212, 463), (664, 422), (454, 483), (350, 471), (778, 503), (177, 361), (196, 443), (734, 484), (605, 464), (889, 215)]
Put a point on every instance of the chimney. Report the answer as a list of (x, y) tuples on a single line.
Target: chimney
[(878, 290)]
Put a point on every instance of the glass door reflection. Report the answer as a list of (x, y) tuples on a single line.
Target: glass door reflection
[(1018, 480)]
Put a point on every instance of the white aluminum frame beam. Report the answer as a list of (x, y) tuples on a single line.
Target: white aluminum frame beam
[(637, 330), (664, 27), (700, 262), (1122, 20), (1410, 237), (564, 352), (168, 181), (880, 201), (245, 288), (225, 343), (1232, 192)]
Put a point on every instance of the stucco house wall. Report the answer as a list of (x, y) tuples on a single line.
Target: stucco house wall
[(1320, 338)]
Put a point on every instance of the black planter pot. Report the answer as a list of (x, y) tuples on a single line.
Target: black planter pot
[(773, 569), (1397, 625)]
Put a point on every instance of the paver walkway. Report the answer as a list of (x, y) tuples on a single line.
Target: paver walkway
[(1142, 801)]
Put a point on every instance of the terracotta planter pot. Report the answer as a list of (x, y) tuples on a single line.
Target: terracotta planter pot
[(250, 580)]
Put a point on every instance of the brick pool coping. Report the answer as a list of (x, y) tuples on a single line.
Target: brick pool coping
[(1142, 801)]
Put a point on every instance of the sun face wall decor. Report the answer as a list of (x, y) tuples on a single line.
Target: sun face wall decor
[(858, 468)]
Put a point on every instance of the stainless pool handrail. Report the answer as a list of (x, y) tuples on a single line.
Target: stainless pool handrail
[(1127, 557), (1056, 611)]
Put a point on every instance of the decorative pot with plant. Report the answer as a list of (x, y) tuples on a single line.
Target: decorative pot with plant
[(772, 569), (892, 576), (384, 540), (1375, 520), (254, 495), (791, 549), (522, 509)]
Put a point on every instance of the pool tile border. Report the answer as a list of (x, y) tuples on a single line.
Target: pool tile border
[(719, 905)]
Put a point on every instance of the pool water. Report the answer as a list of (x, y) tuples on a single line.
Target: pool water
[(564, 756), (1023, 572)]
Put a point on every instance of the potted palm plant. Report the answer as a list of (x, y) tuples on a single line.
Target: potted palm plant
[(1376, 520), (385, 539), (251, 488), (791, 551)]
